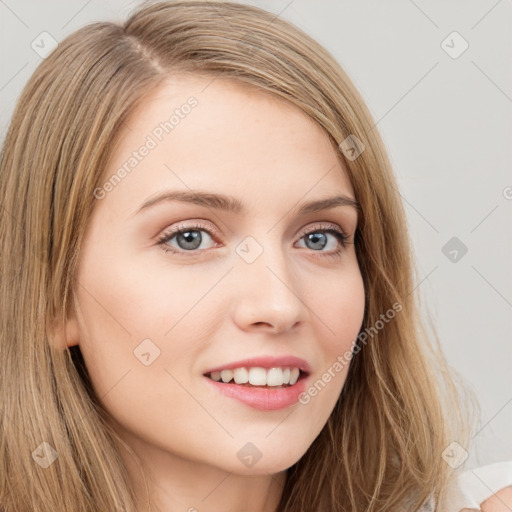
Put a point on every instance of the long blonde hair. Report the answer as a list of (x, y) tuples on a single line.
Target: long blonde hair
[(400, 407)]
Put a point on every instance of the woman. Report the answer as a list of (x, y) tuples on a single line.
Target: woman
[(208, 299)]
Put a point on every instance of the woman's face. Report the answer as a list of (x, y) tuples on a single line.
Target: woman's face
[(262, 280)]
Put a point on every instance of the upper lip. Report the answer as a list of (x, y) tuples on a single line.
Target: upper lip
[(265, 362)]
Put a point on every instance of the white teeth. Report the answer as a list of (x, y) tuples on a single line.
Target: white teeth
[(241, 375), (275, 377), (226, 375), (294, 375), (258, 376)]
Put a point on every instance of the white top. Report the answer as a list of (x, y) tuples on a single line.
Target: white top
[(474, 486)]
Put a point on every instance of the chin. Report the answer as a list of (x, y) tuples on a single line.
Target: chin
[(271, 464)]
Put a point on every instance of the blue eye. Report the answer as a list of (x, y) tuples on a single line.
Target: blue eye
[(189, 238), (319, 239)]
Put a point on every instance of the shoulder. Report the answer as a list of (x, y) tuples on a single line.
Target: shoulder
[(486, 488)]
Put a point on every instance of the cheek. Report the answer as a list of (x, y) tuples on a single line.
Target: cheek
[(338, 313), (137, 322), (128, 301), (135, 369), (338, 310)]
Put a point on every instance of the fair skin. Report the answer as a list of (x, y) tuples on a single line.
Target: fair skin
[(208, 306), (498, 502)]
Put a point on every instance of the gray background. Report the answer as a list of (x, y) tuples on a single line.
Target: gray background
[(447, 124)]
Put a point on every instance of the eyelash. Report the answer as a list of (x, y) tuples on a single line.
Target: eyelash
[(337, 232)]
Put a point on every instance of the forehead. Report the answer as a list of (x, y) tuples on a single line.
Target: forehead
[(223, 135)]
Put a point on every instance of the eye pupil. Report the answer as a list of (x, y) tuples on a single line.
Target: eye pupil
[(315, 237), (191, 239)]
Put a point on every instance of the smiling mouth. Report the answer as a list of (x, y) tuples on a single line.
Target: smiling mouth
[(258, 377)]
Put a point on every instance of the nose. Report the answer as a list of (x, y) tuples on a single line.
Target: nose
[(267, 297)]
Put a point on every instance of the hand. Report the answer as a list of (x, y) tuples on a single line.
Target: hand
[(498, 502)]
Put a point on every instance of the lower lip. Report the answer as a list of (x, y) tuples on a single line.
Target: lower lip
[(263, 399)]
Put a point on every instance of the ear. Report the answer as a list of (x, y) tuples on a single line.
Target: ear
[(62, 333)]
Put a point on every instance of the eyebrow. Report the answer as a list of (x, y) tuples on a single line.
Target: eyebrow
[(233, 205)]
